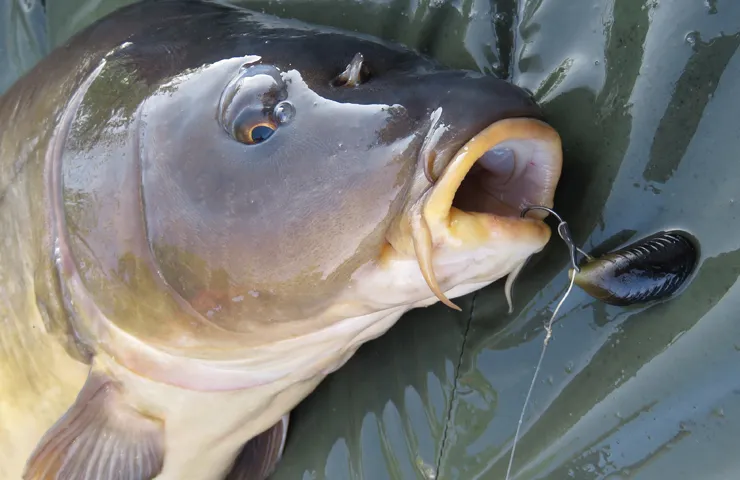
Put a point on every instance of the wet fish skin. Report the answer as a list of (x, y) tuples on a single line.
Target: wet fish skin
[(167, 287)]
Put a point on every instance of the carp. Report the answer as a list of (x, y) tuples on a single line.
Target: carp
[(205, 210)]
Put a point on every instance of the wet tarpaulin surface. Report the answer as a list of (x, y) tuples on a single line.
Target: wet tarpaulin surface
[(646, 96)]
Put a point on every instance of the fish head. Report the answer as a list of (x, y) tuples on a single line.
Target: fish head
[(279, 178), (324, 173)]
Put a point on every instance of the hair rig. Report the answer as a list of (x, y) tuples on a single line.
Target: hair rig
[(652, 268)]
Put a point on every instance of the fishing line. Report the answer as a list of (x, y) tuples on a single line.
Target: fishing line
[(652, 269), (564, 233)]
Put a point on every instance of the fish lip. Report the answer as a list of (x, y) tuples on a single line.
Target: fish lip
[(434, 220), (439, 200)]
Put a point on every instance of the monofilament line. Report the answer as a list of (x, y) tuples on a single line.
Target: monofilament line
[(548, 335)]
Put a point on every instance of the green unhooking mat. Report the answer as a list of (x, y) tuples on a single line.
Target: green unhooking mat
[(646, 96)]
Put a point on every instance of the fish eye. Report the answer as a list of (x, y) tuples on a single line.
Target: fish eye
[(254, 134), (253, 104)]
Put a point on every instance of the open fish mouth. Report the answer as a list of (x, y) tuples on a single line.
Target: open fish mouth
[(511, 164)]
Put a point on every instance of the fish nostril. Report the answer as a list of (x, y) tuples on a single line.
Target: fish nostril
[(499, 161), (355, 74)]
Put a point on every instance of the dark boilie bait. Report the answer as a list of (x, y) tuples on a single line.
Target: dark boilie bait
[(650, 269)]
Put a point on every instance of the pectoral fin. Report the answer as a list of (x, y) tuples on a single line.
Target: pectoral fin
[(100, 436), (261, 454)]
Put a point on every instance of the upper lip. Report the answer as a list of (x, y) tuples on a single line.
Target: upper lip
[(439, 201)]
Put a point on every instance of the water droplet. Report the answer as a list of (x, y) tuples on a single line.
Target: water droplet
[(28, 5), (596, 62), (692, 38), (427, 470), (569, 367), (499, 17), (284, 112)]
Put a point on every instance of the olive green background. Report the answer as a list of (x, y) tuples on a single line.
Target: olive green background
[(646, 96)]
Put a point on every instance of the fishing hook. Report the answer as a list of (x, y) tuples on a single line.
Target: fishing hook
[(564, 232)]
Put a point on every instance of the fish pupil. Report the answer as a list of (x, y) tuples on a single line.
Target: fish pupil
[(260, 133)]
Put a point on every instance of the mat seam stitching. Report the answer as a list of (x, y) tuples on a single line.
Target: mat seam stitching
[(454, 386)]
